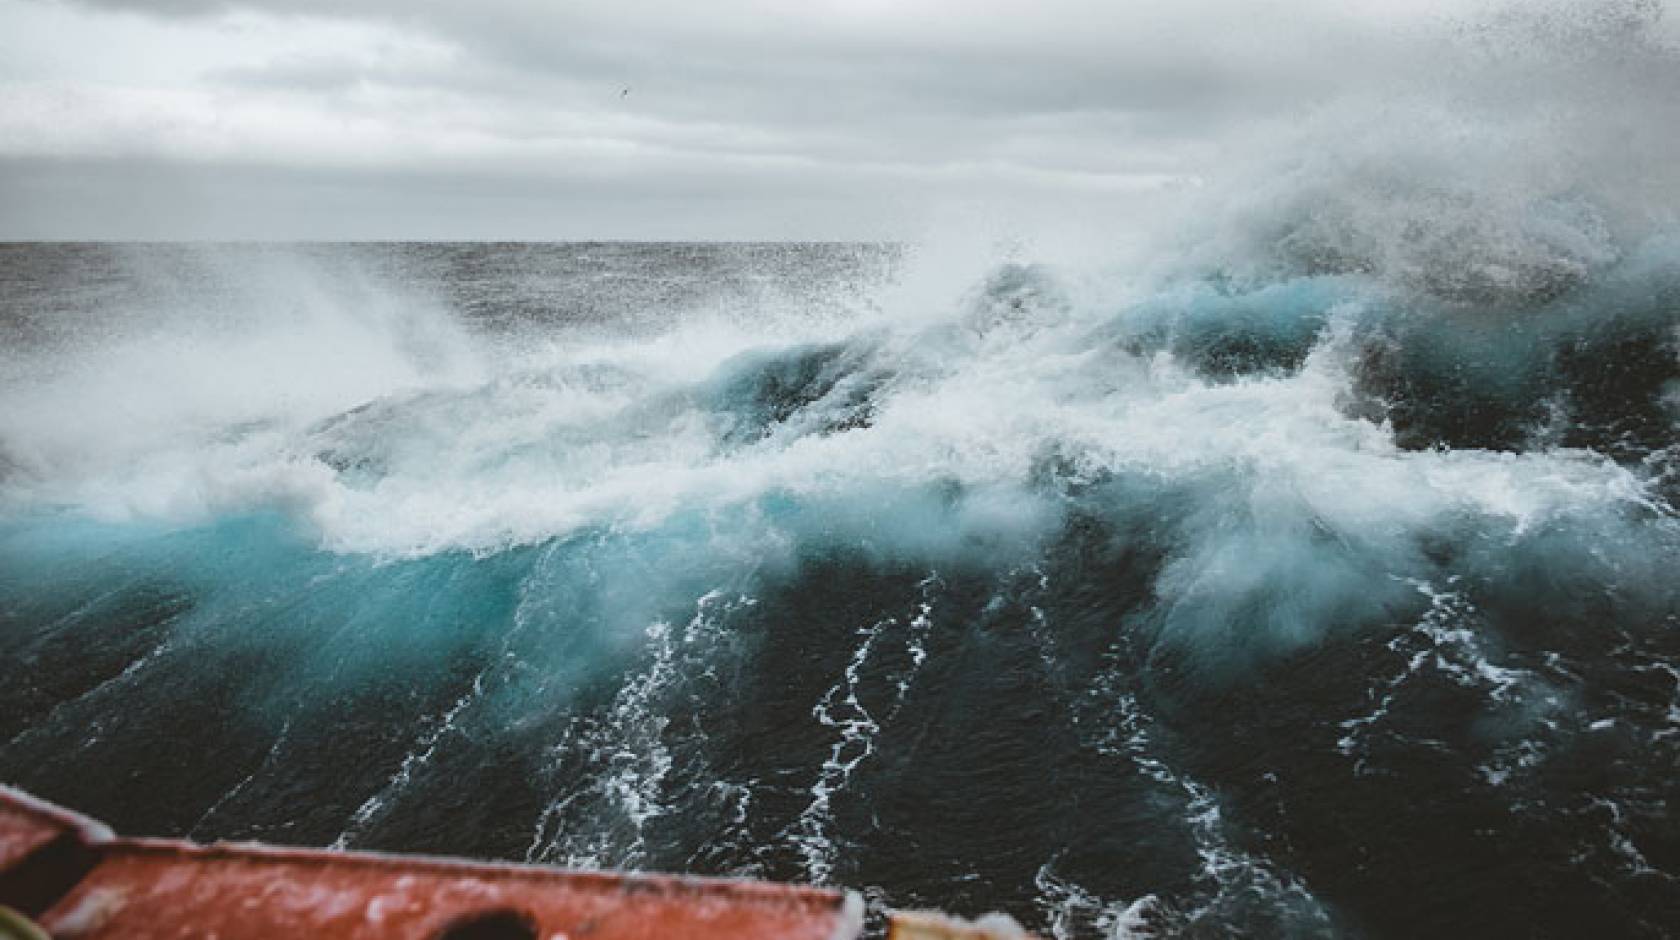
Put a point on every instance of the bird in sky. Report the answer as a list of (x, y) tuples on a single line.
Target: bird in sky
[(625, 93)]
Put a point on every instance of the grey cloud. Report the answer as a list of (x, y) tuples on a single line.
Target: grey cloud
[(172, 8), (737, 59), (745, 101), (673, 199)]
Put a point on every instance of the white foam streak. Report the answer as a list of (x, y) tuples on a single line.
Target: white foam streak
[(843, 710)]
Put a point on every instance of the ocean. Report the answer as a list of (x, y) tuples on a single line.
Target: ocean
[(1331, 593)]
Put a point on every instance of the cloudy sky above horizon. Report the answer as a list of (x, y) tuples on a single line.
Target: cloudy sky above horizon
[(743, 118)]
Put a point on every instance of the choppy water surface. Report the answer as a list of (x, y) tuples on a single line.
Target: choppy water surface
[(1327, 596)]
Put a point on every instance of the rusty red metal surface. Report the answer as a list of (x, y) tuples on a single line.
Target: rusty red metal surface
[(139, 889), (44, 851), (28, 825), (146, 889)]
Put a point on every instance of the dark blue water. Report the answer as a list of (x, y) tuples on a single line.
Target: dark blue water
[(1298, 600)]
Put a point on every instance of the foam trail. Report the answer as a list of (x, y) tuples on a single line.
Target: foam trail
[(413, 763), (842, 709), (635, 761)]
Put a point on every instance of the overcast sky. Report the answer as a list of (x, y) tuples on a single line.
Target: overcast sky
[(743, 118)]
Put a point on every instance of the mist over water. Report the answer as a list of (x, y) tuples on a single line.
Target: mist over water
[(1302, 568)]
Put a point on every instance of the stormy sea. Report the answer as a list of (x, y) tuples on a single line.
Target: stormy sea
[(1322, 588)]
